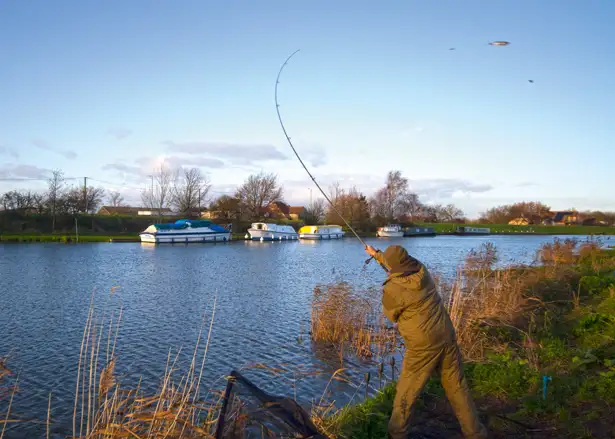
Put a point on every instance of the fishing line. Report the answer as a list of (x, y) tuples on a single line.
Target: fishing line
[(277, 109)]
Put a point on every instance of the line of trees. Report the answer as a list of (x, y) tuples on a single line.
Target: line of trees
[(187, 192), (393, 202), (535, 212)]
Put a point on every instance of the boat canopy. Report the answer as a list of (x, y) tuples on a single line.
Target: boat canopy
[(184, 224)]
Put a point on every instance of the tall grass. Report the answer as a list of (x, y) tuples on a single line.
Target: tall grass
[(104, 409), (351, 320)]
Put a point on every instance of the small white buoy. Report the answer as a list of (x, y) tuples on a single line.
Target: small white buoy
[(262, 239)]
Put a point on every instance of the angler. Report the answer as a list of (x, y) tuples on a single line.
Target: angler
[(412, 301)]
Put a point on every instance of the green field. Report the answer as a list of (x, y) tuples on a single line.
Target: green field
[(534, 229)]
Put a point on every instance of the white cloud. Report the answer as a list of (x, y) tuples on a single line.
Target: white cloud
[(44, 145), (119, 132)]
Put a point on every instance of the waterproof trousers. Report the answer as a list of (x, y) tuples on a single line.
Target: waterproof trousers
[(418, 366)]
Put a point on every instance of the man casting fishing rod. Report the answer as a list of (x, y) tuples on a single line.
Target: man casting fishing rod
[(411, 300)]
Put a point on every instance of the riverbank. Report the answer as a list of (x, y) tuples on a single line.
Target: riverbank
[(441, 229), (539, 347)]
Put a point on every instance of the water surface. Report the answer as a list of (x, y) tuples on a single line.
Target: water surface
[(262, 290)]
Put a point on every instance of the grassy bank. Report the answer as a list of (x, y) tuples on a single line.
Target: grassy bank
[(519, 329), (533, 229), (86, 238)]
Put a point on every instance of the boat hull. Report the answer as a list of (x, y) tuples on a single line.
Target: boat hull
[(381, 234), (182, 238), (320, 236), (419, 231), (271, 235)]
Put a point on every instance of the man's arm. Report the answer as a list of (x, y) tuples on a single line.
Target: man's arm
[(377, 255)]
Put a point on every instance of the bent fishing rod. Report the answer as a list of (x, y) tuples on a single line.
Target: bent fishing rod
[(277, 109)]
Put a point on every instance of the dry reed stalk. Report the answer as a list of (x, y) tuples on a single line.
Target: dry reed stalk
[(105, 410), (350, 319)]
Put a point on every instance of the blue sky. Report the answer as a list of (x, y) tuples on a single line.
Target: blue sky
[(108, 89)]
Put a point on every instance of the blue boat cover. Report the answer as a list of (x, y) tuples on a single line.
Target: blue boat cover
[(183, 224)]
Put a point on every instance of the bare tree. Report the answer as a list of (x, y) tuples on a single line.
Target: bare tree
[(55, 191), (116, 199), (258, 191), (352, 205), (19, 200), (76, 201), (191, 191), (161, 193), (315, 212), (226, 207), (394, 200), (450, 213)]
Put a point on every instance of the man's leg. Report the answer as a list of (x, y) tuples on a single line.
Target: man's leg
[(416, 370), (458, 393)]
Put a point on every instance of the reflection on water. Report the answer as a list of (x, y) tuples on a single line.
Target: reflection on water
[(263, 292)]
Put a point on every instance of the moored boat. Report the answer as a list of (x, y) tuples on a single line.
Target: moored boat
[(184, 231), (419, 231), (329, 231), (390, 231), (467, 230), (271, 232)]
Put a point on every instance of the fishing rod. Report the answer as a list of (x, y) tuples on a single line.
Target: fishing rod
[(277, 109)]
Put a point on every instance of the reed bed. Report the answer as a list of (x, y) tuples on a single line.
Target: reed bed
[(351, 320), (104, 409)]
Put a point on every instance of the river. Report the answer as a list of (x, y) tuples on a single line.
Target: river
[(262, 290)]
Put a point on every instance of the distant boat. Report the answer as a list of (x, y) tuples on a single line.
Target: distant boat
[(466, 230), (271, 232), (390, 231), (321, 232), (419, 231), (184, 231)]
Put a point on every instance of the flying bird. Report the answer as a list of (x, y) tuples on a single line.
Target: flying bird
[(531, 81), (499, 43), (452, 48)]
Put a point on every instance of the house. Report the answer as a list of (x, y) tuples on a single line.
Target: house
[(276, 210), (565, 217), (128, 210), (296, 212), (519, 222), (118, 210), (281, 210), (155, 212)]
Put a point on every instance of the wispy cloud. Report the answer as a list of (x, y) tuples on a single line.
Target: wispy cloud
[(44, 145), (234, 154), (144, 166), (25, 172), (9, 151), (444, 188), (526, 184), (119, 132), (435, 190)]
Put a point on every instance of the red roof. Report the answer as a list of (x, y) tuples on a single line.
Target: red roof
[(279, 206), (296, 210)]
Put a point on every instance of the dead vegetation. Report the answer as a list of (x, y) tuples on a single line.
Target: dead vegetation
[(351, 320)]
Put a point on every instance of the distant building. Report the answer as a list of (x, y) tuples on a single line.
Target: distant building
[(128, 210), (156, 212), (281, 210), (119, 210), (519, 222), (566, 217), (296, 212)]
